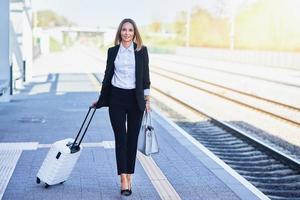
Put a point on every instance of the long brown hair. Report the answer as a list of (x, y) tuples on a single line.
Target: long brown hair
[(136, 38)]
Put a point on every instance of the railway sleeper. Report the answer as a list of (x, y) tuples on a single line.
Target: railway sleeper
[(278, 173), (257, 163), (288, 194), (259, 168)]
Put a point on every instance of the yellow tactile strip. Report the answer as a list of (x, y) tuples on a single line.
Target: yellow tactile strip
[(158, 179)]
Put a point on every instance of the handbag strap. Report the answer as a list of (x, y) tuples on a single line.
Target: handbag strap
[(144, 120), (148, 118)]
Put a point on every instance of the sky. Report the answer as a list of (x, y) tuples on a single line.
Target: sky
[(97, 13)]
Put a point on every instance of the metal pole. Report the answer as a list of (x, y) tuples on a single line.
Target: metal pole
[(11, 80), (232, 32), (4, 46), (188, 26), (232, 24), (24, 70)]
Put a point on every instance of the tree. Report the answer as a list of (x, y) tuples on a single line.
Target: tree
[(180, 24), (48, 18), (156, 26), (207, 30)]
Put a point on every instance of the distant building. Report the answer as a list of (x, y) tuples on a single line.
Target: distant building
[(101, 37)]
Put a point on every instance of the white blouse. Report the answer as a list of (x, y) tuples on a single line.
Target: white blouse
[(124, 74)]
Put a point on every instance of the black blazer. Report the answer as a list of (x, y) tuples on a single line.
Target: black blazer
[(141, 76)]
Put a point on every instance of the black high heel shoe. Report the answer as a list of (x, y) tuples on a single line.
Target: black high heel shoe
[(125, 192), (129, 189)]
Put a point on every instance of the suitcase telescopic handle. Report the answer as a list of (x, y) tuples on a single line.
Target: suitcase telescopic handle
[(75, 147)]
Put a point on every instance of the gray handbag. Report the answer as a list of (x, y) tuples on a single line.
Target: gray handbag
[(147, 139)]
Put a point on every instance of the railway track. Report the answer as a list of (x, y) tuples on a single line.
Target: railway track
[(234, 73), (275, 109)]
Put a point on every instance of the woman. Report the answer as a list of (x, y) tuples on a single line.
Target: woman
[(125, 90)]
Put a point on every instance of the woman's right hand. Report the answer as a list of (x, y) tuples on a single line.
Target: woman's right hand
[(94, 104)]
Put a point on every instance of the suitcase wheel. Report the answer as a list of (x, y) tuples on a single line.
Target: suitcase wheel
[(38, 180), (46, 185)]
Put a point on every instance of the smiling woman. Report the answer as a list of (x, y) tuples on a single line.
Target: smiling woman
[(125, 90)]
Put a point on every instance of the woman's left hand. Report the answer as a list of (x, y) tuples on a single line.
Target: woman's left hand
[(148, 108)]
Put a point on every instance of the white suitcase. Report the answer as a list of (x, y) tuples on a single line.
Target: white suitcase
[(62, 158)]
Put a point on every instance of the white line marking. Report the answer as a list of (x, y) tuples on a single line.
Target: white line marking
[(44, 145), (19, 145), (108, 144), (74, 109)]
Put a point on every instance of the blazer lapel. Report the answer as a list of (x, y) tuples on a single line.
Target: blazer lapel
[(112, 59), (115, 52), (137, 63)]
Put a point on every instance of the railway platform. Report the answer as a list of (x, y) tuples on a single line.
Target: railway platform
[(52, 107)]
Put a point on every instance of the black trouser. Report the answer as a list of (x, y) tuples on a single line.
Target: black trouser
[(123, 107)]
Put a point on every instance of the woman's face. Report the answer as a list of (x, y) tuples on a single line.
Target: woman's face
[(127, 32)]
